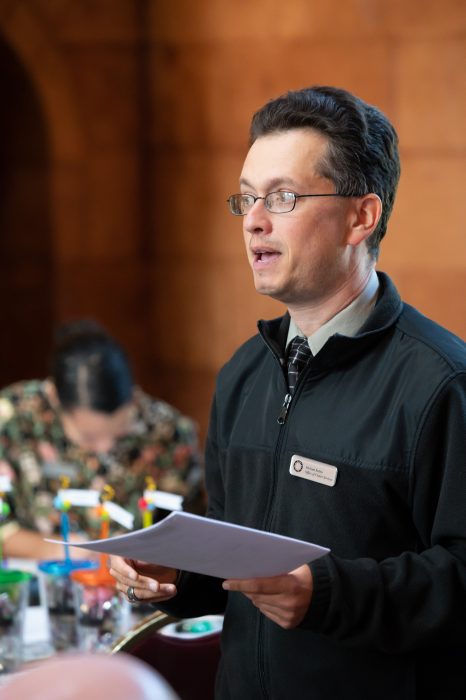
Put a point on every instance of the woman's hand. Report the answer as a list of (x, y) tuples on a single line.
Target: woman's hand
[(150, 583)]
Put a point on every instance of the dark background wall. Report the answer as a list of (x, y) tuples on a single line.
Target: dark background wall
[(25, 224), (123, 125)]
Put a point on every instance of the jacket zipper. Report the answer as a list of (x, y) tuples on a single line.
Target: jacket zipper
[(260, 623), (284, 412), (281, 420), (282, 416)]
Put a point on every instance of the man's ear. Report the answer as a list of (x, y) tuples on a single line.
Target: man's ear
[(364, 218)]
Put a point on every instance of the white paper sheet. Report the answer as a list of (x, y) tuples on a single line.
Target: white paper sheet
[(193, 543)]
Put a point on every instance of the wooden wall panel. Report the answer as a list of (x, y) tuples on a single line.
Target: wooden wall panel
[(426, 229), (431, 94)]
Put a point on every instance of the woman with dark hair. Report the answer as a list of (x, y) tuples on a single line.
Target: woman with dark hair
[(88, 423)]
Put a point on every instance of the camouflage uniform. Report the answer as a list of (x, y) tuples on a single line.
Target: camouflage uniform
[(35, 453)]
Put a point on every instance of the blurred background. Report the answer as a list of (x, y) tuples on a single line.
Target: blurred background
[(123, 127)]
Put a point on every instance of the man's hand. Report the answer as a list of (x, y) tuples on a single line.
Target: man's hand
[(151, 583), (283, 599)]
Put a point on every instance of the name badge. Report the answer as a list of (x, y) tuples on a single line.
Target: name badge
[(313, 470)]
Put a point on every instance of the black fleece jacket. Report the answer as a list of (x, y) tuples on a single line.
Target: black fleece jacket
[(387, 408)]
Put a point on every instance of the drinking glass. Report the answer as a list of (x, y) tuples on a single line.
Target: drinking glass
[(14, 591), (58, 596), (102, 612)]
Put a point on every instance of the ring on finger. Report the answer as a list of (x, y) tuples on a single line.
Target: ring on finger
[(131, 595)]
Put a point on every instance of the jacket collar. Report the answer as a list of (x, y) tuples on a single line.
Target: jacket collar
[(339, 349)]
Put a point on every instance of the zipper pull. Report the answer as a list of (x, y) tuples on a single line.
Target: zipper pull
[(284, 412)]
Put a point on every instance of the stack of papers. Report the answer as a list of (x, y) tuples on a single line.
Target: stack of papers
[(193, 543)]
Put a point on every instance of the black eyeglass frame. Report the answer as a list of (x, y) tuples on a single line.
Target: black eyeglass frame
[(287, 211)]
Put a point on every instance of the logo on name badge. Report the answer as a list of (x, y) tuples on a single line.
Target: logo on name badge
[(311, 469)]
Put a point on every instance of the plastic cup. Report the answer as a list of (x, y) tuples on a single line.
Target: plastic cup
[(58, 596), (14, 591), (102, 612)]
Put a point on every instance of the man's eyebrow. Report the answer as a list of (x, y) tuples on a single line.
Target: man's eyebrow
[(271, 184)]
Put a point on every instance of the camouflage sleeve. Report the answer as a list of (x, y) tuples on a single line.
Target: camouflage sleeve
[(172, 444), (8, 465), (30, 438)]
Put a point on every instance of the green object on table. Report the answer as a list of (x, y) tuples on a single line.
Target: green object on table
[(9, 579), (196, 627), (13, 576), (14, 586)]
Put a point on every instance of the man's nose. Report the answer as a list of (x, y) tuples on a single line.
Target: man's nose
[(258, 219)]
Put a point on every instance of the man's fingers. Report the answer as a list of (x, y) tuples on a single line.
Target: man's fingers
[(267, 586), (273, 601), (158, 591), (122, 568), (127, 579), (283, 599), (137, 581)]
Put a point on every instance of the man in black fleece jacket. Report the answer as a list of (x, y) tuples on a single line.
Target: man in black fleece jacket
[(361, 447)]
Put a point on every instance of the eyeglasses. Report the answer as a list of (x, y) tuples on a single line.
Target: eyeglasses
[(279, 202)]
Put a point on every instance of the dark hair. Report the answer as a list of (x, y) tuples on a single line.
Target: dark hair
[(362, 155), (90, 369)]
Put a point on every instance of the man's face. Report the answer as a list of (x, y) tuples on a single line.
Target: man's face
[(299, 257)]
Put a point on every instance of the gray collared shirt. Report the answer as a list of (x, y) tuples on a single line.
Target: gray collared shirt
[(346, 322)]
